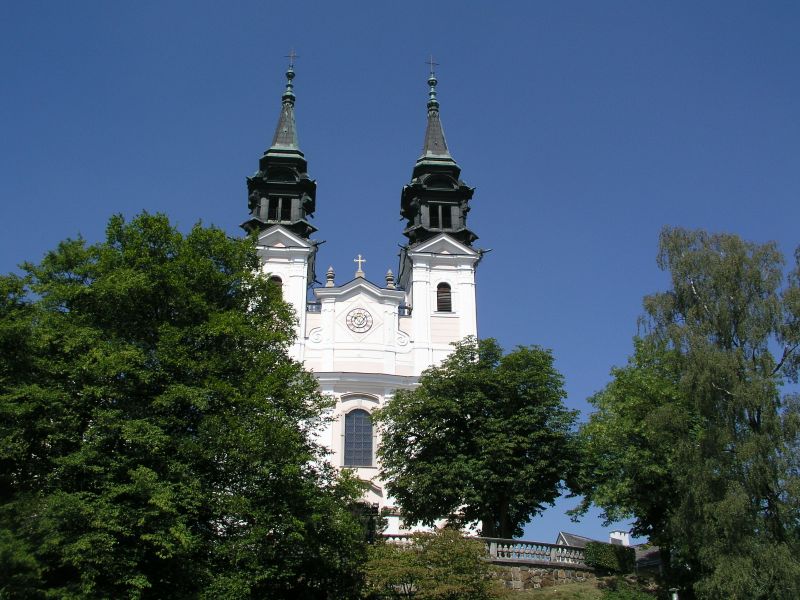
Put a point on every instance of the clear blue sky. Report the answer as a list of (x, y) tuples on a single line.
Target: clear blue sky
[(584, 126)]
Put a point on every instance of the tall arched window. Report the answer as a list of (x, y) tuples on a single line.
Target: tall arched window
[(357, 439), (444, 299), (277, 282)]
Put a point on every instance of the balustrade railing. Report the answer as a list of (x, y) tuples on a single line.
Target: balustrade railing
[(516, 551)]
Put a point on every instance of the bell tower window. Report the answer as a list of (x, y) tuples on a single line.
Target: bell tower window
[(444, 299), (357, 439), (280, 209), (440, 216)]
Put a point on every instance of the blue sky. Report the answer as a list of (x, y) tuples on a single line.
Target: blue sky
[(585, 126)]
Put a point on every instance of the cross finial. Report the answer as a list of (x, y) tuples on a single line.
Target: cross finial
[(359, 260), (291, 56), (433, 103), (431, 64)]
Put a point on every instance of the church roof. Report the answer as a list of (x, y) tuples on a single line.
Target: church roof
[(434, 149), (285, 137), (571, 539), (281, 192)]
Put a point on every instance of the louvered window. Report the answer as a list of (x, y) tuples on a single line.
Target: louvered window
[(357, 439), (444, 299)]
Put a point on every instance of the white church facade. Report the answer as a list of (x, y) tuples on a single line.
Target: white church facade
[(363, 340)]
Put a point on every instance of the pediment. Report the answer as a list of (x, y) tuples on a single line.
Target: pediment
[(359, 287), (280, 237), (443, 244)]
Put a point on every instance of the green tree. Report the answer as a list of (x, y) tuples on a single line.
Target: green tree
[(435, 566), (629, 447), (695, 437), (485, 437), (155, 438)]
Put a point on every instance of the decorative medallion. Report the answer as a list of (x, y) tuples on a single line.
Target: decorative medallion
[(359, 320)]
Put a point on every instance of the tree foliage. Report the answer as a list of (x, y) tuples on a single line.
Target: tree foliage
[(610, 558), (485, 437), (696, 437), (155, 438), (433, 566)]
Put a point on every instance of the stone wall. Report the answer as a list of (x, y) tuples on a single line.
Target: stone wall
[(527, 577)]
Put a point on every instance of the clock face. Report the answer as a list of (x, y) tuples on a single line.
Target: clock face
[(359, 320)]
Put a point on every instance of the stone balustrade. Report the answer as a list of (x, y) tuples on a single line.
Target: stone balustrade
[(521, 552)]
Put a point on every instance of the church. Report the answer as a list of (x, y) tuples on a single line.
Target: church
[(363, 339)]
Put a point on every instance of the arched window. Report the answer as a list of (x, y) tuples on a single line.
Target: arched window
[(277, 282), (357, 439), (444, 299)]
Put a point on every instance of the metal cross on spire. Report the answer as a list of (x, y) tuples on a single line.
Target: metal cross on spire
[(359, 260), (433, 103), (291, 56), (431, 64)]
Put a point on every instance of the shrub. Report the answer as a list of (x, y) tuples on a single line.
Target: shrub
[(610, 558), (432, 566)]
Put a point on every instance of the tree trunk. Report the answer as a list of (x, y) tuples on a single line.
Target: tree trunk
[(489, 525), (506, 529)]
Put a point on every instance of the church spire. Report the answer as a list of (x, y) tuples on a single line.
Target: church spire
[(281, 192), (285, 137), (437, 200), (434, 149), (435, 145)]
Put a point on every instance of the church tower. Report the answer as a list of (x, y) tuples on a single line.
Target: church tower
[(281, 193), (437, 268), (281, 198), (364, 340), (436, 200)]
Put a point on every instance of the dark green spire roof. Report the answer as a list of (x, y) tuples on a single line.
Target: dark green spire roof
[(285, 138), (434, 149), (435, 144), (436, 200), (281, 192)]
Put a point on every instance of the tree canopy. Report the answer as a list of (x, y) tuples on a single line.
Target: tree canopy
[(155, 438), (485, 437), (697, 438)]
